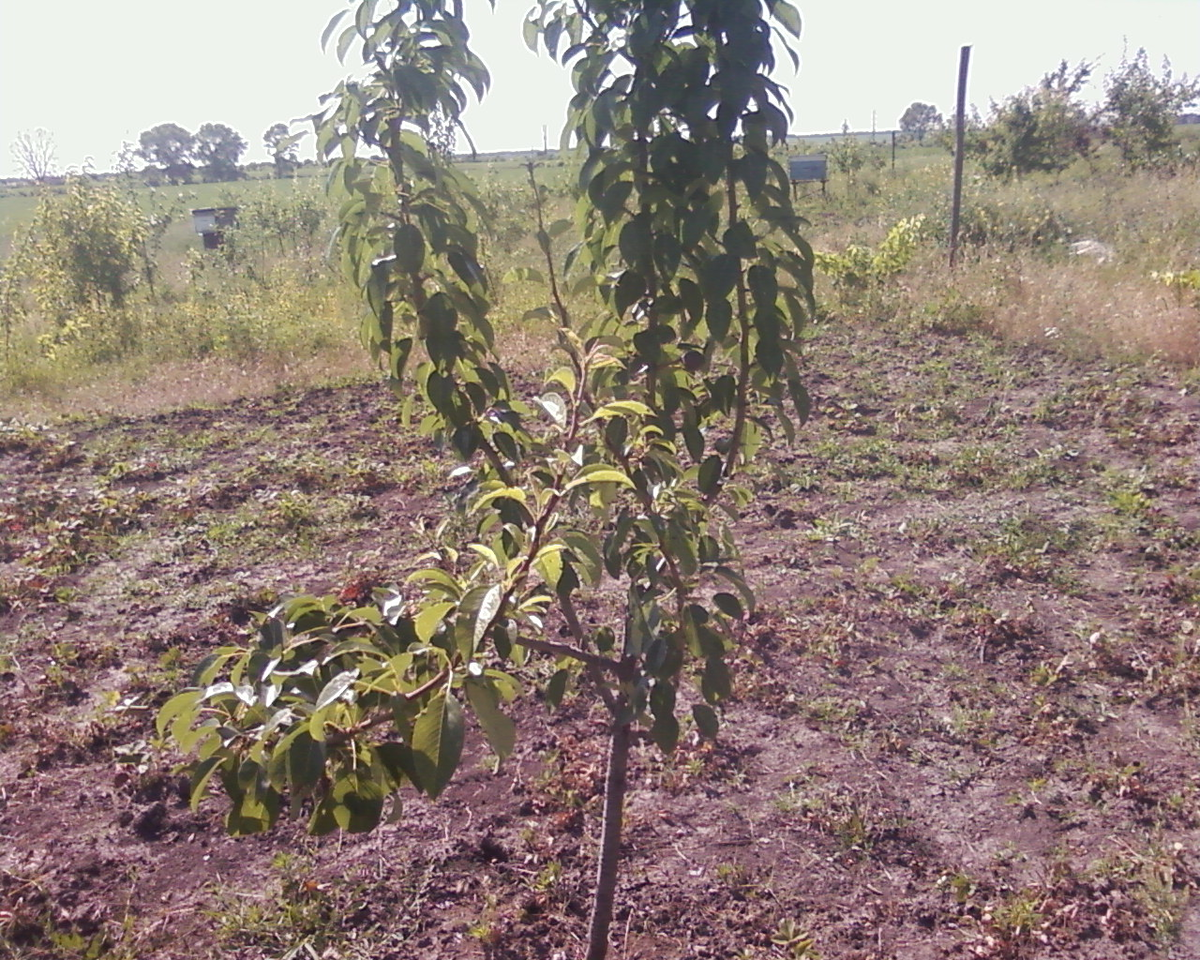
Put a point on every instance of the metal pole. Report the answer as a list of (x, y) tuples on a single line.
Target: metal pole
[(964, 60), (893, 151)]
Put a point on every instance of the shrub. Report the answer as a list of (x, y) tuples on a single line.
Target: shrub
[(1042, 128), (859, 267), (1140, 110), (77, 263)]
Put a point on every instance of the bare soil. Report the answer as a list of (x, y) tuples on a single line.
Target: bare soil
[(965, 714)]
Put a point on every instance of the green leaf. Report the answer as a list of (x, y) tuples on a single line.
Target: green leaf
[(489, 606), (201, 775), (427, 621), (305, 763), (499, 729), (753, 170), (530, 31), (706, 720), (693, 439), (178, 707), (636, 242), (437, 743), (598, 473), (719, 316), (739, 584), (715, 682), (787, 15), (556, 688), (739, 241), (586, 552), (332, 25), (525, 275), (638, 634), (409, 245), (550, 564), (358, 803), (630, 288), (729, 605), (801, 399), (438, 579), (555, 406), (336, 688), (763, 285), (720, 276), (565, 377), (665, 732), (709, 480), (622, 408)]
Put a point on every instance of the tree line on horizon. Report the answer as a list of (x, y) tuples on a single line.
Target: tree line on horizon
[(1044, 127), (214, 150), (172, 153), (1047, 126)]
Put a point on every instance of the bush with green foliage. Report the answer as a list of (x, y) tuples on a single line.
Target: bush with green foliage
[(846, 156), (1011, 223), (858, 267), (615, 479), (77, 263), (1141, 109), (1043, 128)]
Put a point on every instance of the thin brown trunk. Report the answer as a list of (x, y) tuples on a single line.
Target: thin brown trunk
[(610, 841)]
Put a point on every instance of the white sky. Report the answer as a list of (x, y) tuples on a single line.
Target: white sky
[(96, 73)]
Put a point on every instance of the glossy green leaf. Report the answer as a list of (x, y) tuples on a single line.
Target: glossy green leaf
[(437, 743), (182, 705), (336, 688), (711, 470), (500, 730), (430, 618), (489, 607), (598, 474)]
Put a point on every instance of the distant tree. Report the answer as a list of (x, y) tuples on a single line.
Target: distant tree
[(218, 149), (919, 119), (168, 146), (282, 144), (34, 153), (1042, 128), (1140, 110)]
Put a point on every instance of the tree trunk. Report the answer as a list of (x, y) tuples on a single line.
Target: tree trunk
[(610, 840)]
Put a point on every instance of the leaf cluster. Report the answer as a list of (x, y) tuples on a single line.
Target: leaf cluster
[(619, 472), (859, 267)]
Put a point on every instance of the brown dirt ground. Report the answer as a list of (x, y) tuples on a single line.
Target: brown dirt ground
[(964, 722)]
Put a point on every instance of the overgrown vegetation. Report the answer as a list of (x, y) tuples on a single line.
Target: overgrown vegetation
[(974, 730), (608, 479)]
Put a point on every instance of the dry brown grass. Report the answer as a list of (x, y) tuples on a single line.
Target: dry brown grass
[(1075, 303), (130, 391)]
